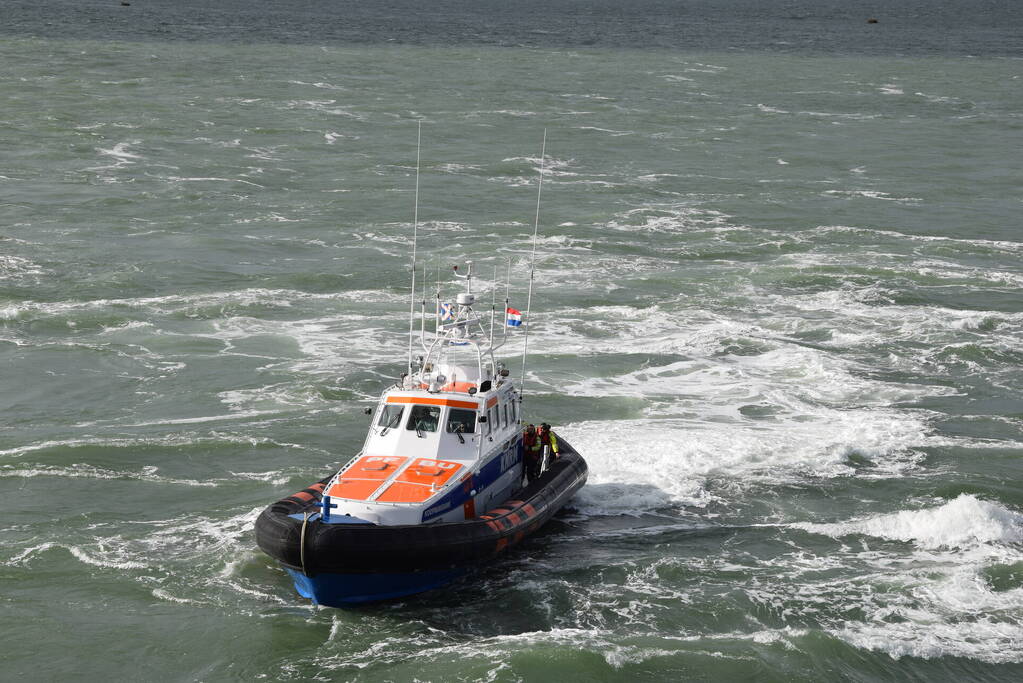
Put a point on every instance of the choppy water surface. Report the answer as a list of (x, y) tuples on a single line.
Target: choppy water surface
[(777, 308)]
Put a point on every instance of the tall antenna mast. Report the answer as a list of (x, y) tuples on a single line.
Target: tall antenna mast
[(532, 260), (493, 309), (422, 312), (507, 302), (415, 239)]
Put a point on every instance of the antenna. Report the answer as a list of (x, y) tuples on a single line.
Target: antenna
[(422, 312), (532, 260), (493, 308), (436, 315), (507, 302), (415, 238)]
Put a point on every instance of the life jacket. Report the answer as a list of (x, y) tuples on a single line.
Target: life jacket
[(547, 440), (530, 442)]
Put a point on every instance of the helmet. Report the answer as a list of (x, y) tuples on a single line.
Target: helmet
[(546, 427)]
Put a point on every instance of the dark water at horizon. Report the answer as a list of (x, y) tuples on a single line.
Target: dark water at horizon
[(910, 27)]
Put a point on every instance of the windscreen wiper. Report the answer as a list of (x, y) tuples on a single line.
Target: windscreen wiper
[(393, 422)]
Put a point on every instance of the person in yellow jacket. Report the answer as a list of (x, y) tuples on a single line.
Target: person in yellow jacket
[(545, 437), (538, 443)]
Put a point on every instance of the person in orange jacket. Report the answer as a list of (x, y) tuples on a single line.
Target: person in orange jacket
[(531, 453)]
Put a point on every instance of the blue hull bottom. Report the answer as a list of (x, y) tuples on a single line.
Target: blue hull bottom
[(342, 590)]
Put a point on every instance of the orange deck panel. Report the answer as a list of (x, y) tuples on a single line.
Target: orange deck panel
[(419, 481), (354, 489), (401, 492), (430, 472), (362, 479)]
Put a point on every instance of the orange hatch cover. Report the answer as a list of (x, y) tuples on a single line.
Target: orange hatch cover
[(419, 481), (360, 480)]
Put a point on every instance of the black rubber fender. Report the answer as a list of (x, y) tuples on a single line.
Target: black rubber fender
[(369, 548)]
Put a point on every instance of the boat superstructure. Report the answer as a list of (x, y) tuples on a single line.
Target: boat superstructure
[(444, 441)]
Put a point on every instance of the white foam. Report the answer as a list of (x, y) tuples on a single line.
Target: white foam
[(937, 603), (960, 523), (16, 266), (938, 99), (24, 556), (99, 555), (984, 639), (612, 133), (458, 168), (84, 471), (164, 595), (855, 319), (194, 535), (676, 78), (204, 179), (172, 440), (666, 219), (322, 85), (639, 466), (432, 646), (176, 303), (872, 194), (106, 563), (121, 153), (1006, 245)]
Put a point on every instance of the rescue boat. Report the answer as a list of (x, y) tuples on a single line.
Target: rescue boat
[(439, 485)]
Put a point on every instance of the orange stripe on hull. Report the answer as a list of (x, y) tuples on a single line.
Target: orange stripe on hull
[(451, 403)]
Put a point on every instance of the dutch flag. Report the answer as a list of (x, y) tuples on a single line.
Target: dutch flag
[(514, 317)]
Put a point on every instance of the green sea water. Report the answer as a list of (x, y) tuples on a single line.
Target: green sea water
[(777, 308)]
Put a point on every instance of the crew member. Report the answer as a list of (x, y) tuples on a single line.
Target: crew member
[(531, 453), (545, 437)]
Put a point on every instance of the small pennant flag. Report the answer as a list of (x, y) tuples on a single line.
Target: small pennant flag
[(514, 317), (447, 311)]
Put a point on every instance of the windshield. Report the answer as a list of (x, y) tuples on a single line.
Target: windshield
[(462, 421), (390, 417), (423, 418)]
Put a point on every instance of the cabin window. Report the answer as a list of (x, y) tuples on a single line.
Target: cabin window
[(462, 421), (492, 418), (507, 420), (423, 418), (390, 416)]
